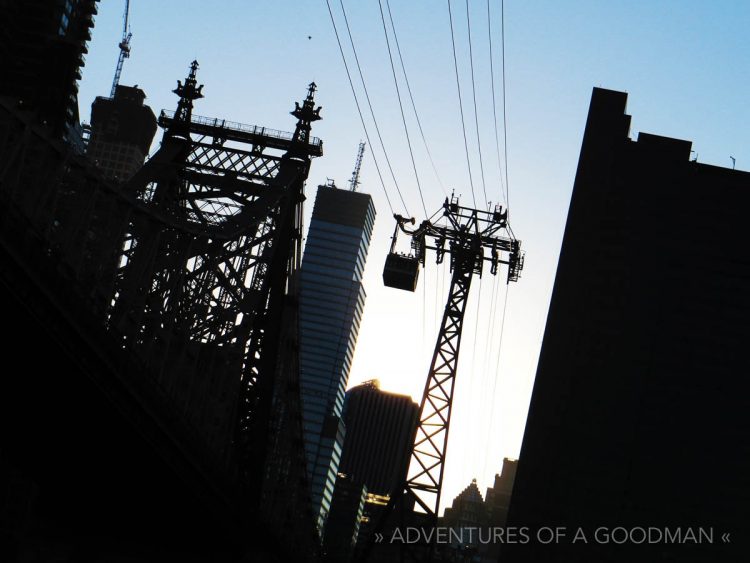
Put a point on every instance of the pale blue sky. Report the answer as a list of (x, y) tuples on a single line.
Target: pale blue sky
[(684, 64)]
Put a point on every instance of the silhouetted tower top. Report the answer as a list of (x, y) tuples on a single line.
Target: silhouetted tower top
[(305, 115), (187, 92), (124, 46), (354, 180)]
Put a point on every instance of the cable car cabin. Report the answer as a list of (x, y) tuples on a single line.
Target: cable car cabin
[(401, 271)]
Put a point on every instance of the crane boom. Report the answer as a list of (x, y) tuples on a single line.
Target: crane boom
[(125, 17), (354, 180), (124, 47)]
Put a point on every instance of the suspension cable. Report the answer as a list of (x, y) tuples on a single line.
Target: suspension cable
[(497, 362), (401, 106), (369, 103), (461, 105), (494, 108), (474, 94), (359, 110), (505, 112), (411, 97)]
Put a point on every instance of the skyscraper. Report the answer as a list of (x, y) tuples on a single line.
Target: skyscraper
[(466, 514), (497, 502), (379, 434), (342, 526), (475, 523), (640, 411), (122, 129), (42, 48), (380, 429), (498, 495), (332, 300)]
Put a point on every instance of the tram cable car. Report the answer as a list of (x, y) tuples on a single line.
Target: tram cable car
[(401, 270)]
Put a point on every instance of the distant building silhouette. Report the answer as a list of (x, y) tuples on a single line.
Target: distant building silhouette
[(497, 503), (42, 48), (497, 499), (466, 514), (475, 522), (344, 519), (122, 129), (380, 429), (332, 300), (641, 405), (379, 435)]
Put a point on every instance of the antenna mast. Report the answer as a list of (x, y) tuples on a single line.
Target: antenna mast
[(124, 48), (354, 181)]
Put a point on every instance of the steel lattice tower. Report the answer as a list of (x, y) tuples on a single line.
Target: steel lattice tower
[(465, 237)]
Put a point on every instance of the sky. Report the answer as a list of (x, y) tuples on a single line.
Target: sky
[(685, 66)]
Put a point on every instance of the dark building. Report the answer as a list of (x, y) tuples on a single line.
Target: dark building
[(344, 519), (466, 514), (497, 499), (122, 129), (42, 48), (640, 412), (379, 434), (332, 300), (380, 429), (497, 503), (475, 523)]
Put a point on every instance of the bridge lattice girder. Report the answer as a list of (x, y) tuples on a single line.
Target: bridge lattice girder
[(190, 269)]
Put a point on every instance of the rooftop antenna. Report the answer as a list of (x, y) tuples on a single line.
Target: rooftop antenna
[(124, 48), (734, 162), (329, 183), (354, 181)]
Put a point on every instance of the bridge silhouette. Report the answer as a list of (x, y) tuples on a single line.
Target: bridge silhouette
[(150, 394)]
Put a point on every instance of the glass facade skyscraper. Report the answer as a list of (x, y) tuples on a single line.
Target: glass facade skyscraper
[(332, 300)]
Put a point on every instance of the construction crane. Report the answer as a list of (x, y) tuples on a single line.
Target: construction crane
[(124, 48), (354, 180), (465, 236)]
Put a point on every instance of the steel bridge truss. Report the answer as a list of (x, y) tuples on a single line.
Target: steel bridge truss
[(190, 266), (218, 265)]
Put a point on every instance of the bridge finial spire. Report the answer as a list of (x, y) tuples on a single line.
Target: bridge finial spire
[(306, 114), (187, 92)]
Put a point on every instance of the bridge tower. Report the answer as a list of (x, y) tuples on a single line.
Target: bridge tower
[(180, 287), (205, 290)]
